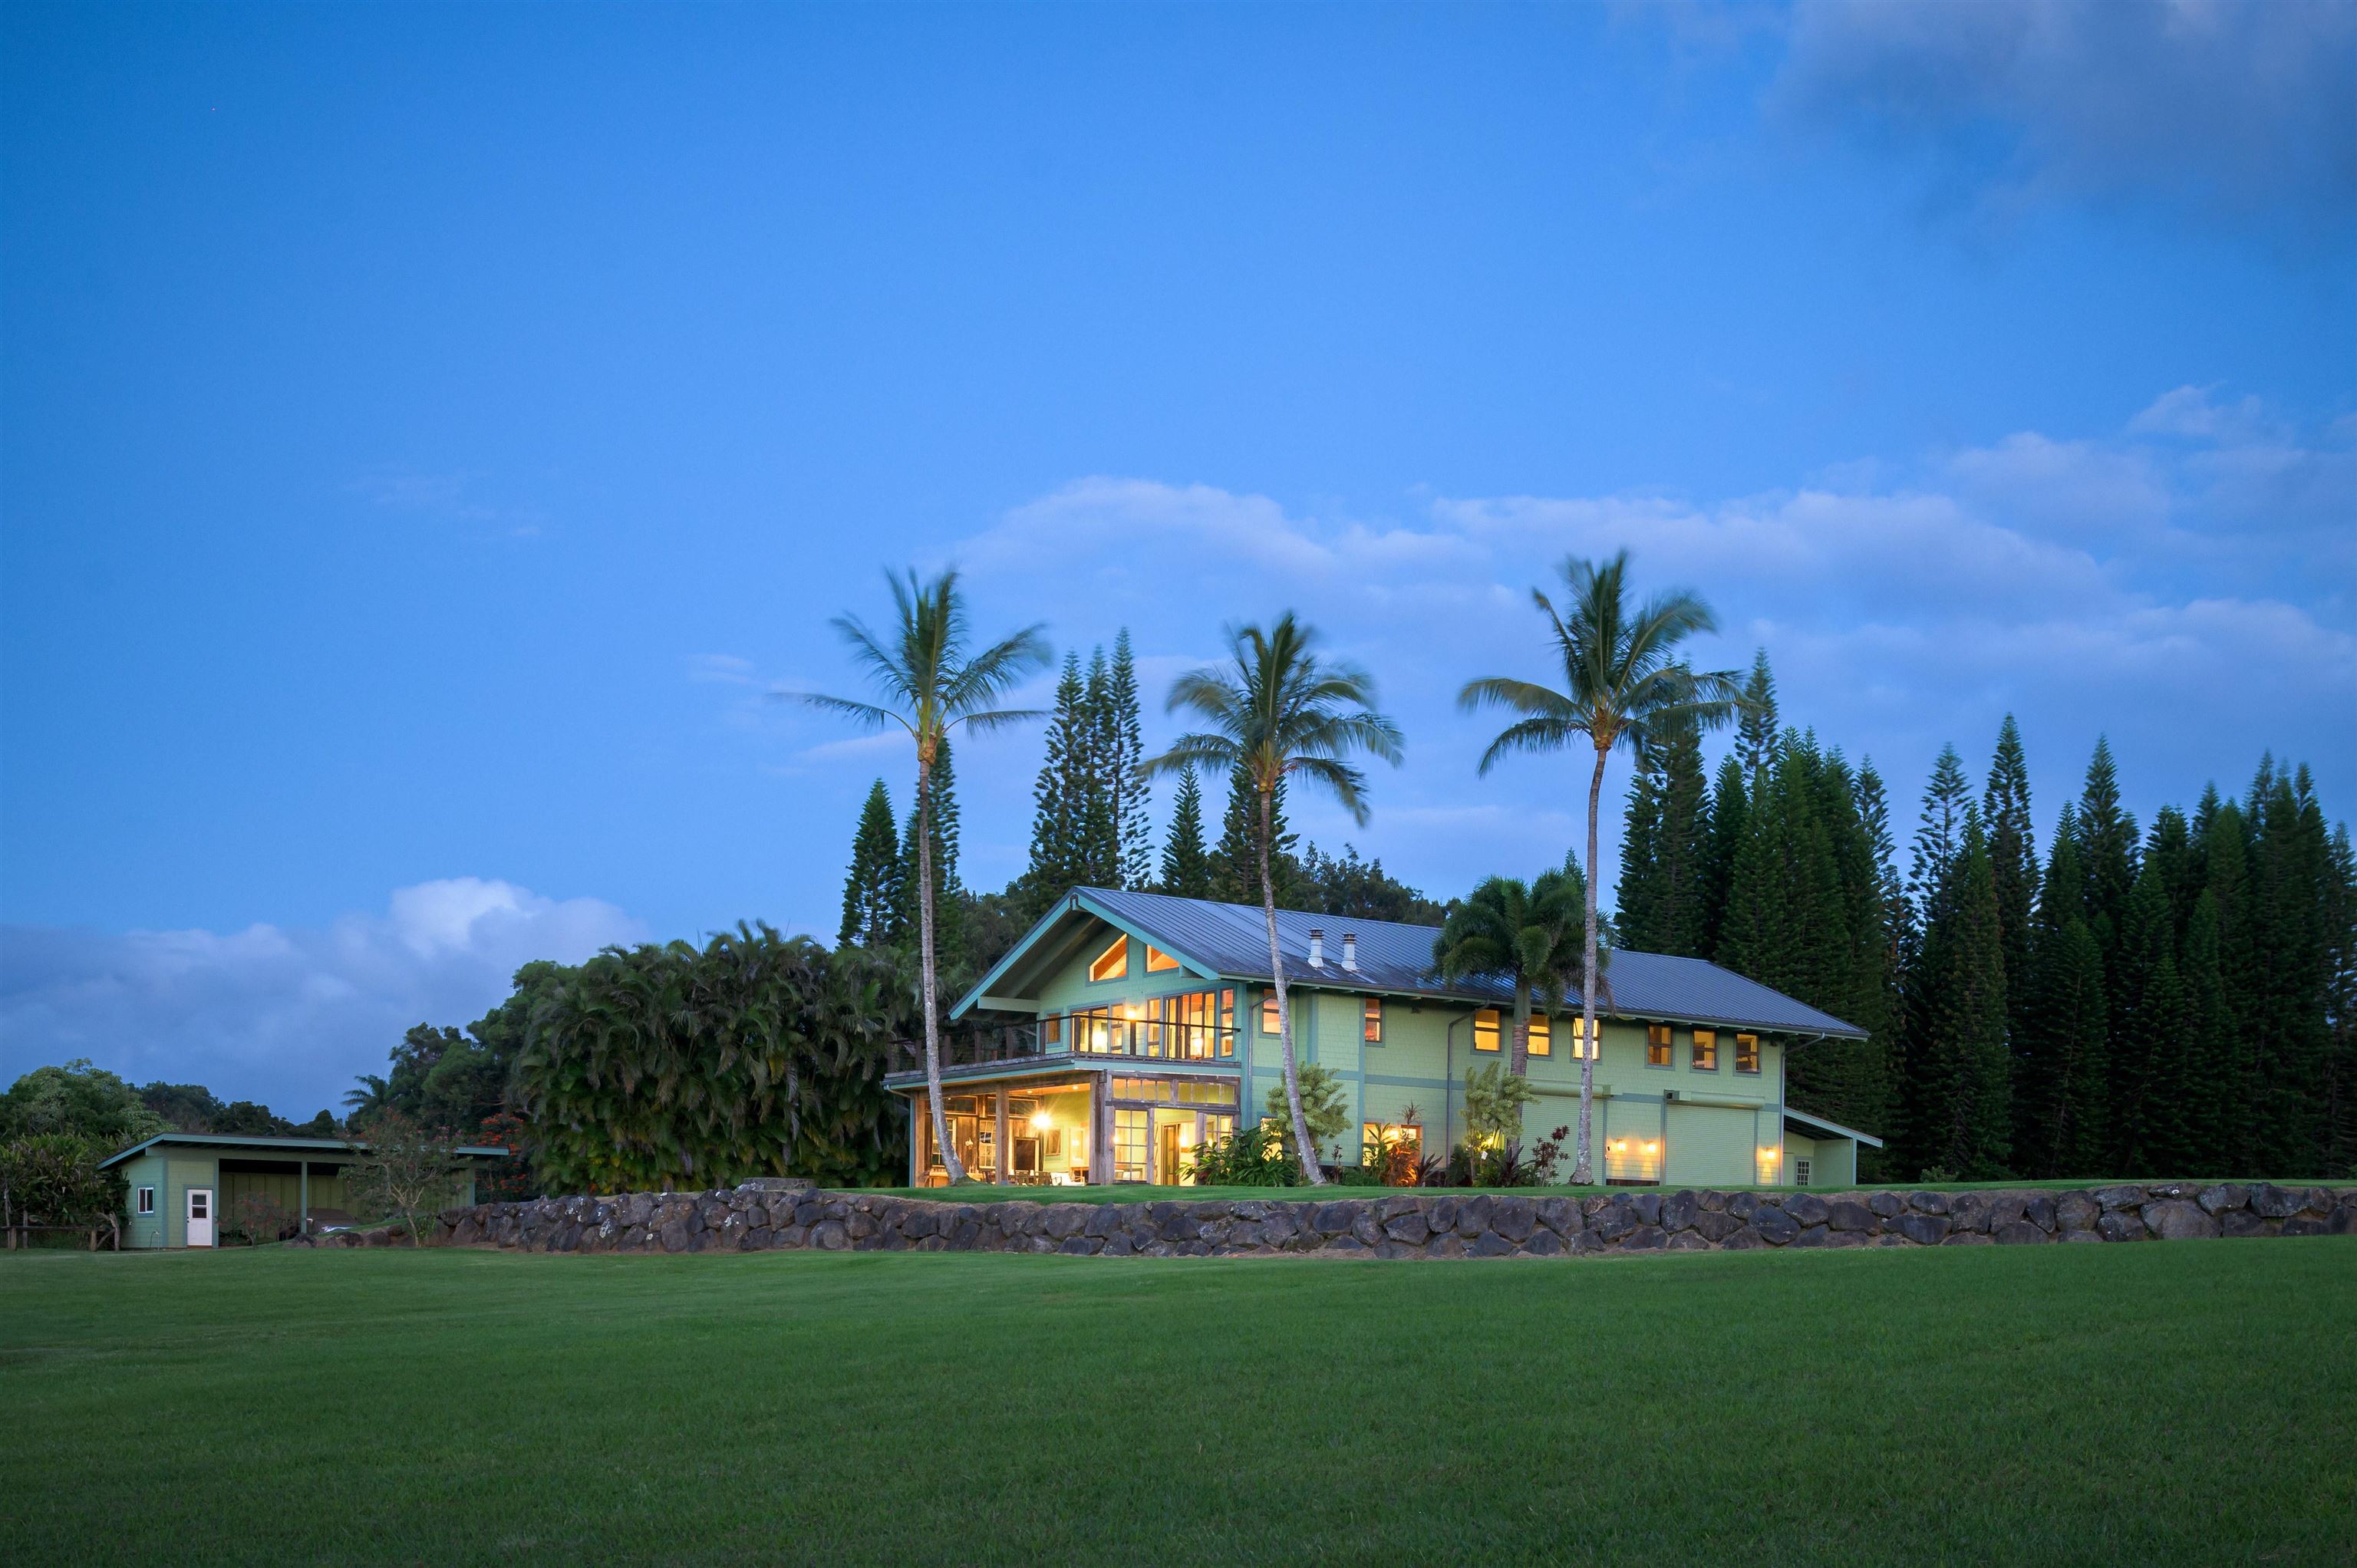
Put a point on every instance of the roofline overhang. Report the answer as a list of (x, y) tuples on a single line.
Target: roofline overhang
[(294, 1147), (1074, 901), (1835, 1128)]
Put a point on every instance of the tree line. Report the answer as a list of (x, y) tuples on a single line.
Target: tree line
[(2174, 1000)]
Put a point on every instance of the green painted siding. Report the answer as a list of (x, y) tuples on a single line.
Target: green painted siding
[(285, 1189), (1710, 1146), (184, 1170), (144, 1230)]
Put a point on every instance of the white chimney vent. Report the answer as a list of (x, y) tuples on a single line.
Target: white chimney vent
[(1350, 950), (1317, 949)]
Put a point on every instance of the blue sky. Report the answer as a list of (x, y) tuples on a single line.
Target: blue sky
[(426, 435)]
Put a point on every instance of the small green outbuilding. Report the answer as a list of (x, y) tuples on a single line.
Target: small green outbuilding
[(184, 1186)]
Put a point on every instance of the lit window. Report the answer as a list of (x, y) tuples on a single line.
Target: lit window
[(1268, 1019), (1747, 1053), (1705, 1050), (146, 1200), (1577, 1036), (1113, 964), (1371, 1013), (1657, 1045), (1485, 1029), (1543, 1035), (1157, 961), (1051, 1029)]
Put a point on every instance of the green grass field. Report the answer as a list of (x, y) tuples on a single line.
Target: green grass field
[(2192, 1402)]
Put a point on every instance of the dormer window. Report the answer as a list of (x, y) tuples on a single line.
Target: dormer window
[(1113, 964)]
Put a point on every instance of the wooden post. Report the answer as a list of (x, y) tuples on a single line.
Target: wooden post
[(999, 1151), (305, 1197), (1100, 1133)]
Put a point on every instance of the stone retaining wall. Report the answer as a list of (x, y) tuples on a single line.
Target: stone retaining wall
[(765, 1215)]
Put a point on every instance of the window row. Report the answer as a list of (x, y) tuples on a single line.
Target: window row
[(1702, 1049)]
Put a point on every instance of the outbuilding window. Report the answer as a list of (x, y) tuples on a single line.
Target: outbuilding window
[(146, 1200)]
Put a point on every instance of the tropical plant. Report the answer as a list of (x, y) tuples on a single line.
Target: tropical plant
[(1250, 1157), (1624, 687), (656, 1068), (929, 685), (52, 1179), (1494, 1099), (1277, 712), (372, 1095), (1517, 931), (1323, 1107)]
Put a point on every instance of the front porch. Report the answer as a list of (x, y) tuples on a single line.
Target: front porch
[(1053, 1121)]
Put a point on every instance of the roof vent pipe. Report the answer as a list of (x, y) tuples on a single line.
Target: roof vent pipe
[(1317, 948), (1350, 950)]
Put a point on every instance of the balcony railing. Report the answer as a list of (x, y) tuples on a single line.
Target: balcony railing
[(1093, 1034)]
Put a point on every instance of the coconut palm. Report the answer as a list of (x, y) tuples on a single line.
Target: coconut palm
[(1521, 932), (1277, 710), (928, 685), (1623, 684)]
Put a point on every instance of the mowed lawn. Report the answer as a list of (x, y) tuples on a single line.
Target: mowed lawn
[(2186, 1402)]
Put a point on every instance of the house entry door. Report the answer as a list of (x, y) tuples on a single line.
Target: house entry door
[(201, 1217)]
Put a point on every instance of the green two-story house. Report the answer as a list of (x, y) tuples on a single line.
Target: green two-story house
[(1147, 1025)]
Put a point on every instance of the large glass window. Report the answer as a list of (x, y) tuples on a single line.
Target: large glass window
[(1113, 964), (1705, 1050), (1195, 1025), (1485, 1029), (1132, 1130), (1657, 1045), (1747, 1053), (1371, 1024)]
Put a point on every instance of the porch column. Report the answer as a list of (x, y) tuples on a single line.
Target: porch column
[(999, 1150), (920, 1115), (1100, 1133)]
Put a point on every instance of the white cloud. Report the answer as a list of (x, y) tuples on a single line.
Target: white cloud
[(283, 1014)]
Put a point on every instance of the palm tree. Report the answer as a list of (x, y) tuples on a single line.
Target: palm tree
[(1623, 684), (1518, 931), (1275, 710), (372, 1095), (928, 686)]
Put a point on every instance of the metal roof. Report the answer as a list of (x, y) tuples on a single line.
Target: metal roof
[(1231, 941), (296, 1146), (1810, 1126)]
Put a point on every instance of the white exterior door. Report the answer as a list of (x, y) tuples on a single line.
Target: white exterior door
[(201, 1217)]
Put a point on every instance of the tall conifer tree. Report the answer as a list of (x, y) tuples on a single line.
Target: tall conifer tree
[(1236, 862), (871, 892), (2013, 863), (1131, 796), (1729, 805), (949, 892), (1662, 895), (1056, 863), (1097, 820), (1958, 1115), (1186, 863), (2107, 852), (1755, 734)]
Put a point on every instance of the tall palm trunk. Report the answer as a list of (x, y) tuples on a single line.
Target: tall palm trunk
[(925, 965), (1521, 1056), (1582, 1167), (1306, 1150)]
